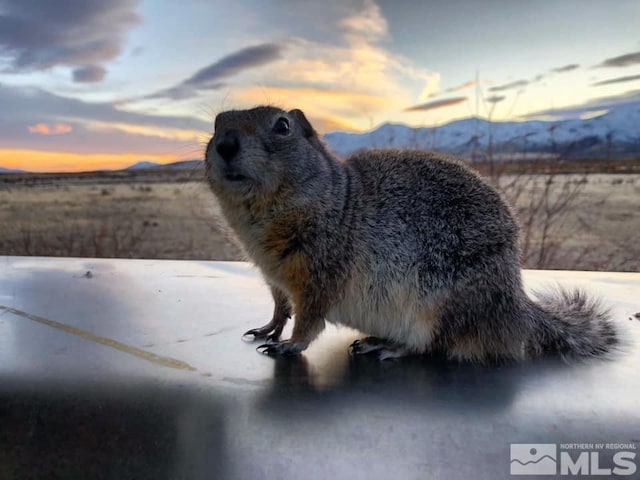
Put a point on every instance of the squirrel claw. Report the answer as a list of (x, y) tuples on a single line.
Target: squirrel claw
[(366, 345), (384, 350), (256, 333), (280, 348), (273, 338), (249, 336)]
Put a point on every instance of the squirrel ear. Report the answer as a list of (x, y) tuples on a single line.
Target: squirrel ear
[(304, 123)]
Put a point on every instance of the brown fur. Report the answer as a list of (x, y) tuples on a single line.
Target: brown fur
[(410, 246)]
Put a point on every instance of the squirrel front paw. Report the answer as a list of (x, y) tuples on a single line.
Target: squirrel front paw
[(286, 347), (268, 332)]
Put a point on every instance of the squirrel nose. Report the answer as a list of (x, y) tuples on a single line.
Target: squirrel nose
[(228, 145)]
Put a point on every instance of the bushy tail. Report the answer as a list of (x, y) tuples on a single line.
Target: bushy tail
[(572, 324)]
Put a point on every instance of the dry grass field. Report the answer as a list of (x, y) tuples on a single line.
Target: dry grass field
[(129, 218), (571, 221)]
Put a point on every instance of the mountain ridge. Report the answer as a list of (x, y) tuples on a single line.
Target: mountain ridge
[(615, 133), (10, 170)]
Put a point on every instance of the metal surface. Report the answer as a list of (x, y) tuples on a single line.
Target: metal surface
[(135, 369)]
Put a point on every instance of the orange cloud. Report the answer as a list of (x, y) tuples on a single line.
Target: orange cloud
[(359, 66), (152, 131), (39, 161), (368, 22), (332, 124), (354, 77), (55, 129), (431, 87), (354, 109), (462, 86)]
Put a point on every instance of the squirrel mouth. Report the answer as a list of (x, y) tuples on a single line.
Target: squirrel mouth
[(234, 177)]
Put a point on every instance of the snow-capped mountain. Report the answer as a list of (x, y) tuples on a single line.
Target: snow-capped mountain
[(143, 165), (10, 170), (179, 165), (613, 134)]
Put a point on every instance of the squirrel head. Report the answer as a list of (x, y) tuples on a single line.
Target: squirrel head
[(261, 152)]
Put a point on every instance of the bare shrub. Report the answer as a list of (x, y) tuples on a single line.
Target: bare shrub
[(106, 239), (543, 203), (545, 198)]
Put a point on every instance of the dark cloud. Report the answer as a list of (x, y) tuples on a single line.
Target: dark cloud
[(235, 63), (628, 78), (181, 92), (89, 74), (34, 119), (33, 105), (446, 102), (622, 60), (40, 34), (509, 86), (209, 78), (566, 68), (495, 99), (598, 104)]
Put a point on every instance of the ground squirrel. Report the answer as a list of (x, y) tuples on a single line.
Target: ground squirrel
[(410, 247)]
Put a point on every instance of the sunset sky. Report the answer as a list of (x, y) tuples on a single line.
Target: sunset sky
[(89, 84)]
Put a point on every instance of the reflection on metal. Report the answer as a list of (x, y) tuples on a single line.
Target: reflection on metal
[(71, 408), (151, 357)]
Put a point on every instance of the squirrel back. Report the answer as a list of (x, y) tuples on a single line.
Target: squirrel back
[(412, 248)]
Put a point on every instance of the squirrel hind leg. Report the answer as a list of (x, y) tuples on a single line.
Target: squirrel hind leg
[(384, 349)]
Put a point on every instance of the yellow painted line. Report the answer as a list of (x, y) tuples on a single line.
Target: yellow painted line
[(136, 352)]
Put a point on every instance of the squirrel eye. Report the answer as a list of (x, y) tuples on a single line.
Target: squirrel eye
[(281, 127)]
